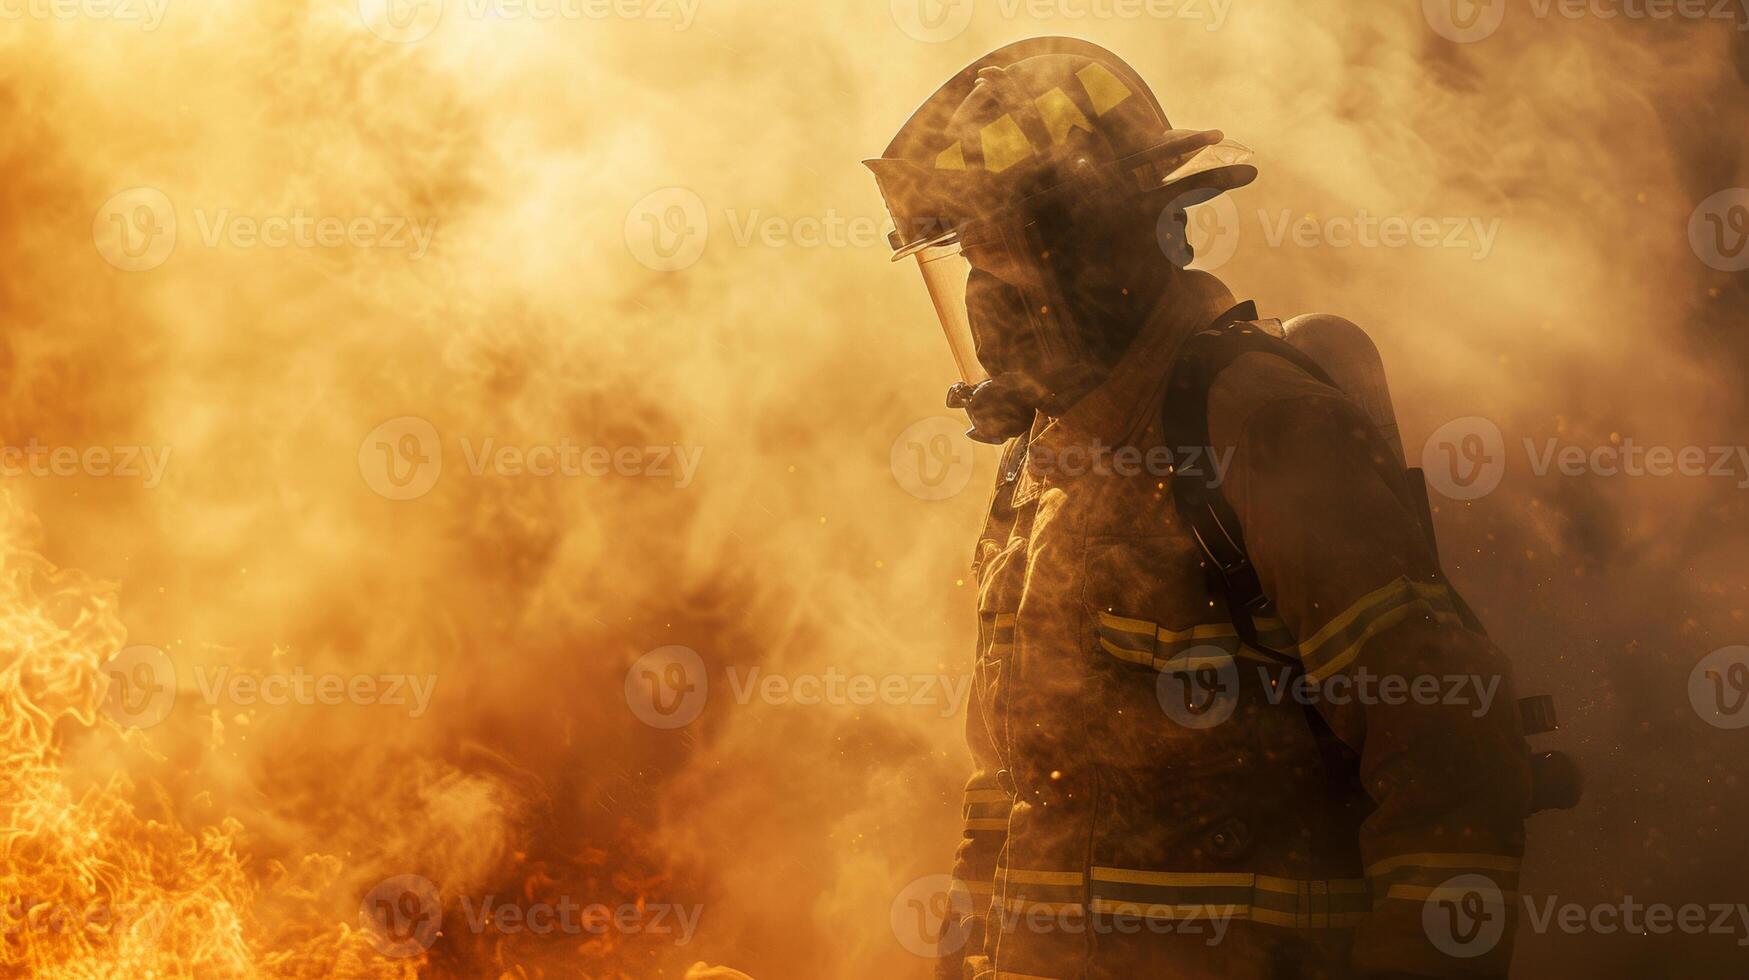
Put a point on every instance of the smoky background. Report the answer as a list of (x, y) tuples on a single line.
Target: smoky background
[(535, 315)]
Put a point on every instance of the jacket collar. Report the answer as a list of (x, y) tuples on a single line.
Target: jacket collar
[(1120, 410)]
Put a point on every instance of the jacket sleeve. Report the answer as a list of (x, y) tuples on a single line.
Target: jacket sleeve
[(1427, 703)]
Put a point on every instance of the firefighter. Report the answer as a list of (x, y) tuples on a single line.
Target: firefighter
[(1196, 753)]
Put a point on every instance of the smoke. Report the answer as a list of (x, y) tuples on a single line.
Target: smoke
[(428, 239)]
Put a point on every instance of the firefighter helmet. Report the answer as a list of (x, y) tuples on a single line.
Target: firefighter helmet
[(1031, 140)]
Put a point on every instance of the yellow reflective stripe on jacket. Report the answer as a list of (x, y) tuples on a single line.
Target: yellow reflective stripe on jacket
[(1445, 862), (1454, 893), (1051, 891), (1151, 645), (1289, 902), (986, 810), (1002, 633), (1419, 877), (976, 889), (1339, 641), (1292, 903)]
